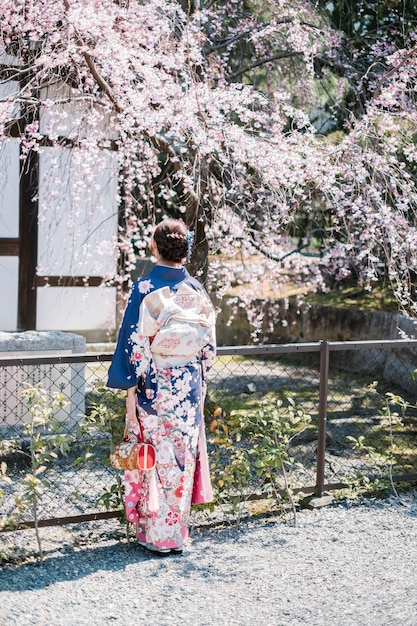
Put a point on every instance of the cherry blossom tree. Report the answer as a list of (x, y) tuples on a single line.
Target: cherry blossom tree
[(206, 109)]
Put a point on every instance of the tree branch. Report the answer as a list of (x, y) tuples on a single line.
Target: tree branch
[(393, 71), (276, 57), (101, 82), (257, 29)]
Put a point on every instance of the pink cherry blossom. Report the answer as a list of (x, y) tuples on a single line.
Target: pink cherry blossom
[(162, 103)]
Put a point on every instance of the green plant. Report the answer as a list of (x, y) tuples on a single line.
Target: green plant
[(251, 449), (99, 430), (45, 440), (379, 447), (103, 424)]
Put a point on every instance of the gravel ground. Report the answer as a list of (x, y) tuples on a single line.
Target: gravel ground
[(347, 564)]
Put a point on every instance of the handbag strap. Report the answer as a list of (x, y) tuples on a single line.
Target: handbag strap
[(140, 425), (139, 422)]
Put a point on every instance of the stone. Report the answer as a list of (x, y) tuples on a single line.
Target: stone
[(66, 378), (31, 342), (315, 502)]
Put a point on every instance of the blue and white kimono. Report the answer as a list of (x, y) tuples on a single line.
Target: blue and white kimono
[(166, 343)]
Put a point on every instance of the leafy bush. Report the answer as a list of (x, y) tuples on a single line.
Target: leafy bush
[(250, 450)]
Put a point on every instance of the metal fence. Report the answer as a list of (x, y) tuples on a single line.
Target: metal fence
[(359, 432)]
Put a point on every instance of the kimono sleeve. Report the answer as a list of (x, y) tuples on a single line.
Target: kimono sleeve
[(122, 371)]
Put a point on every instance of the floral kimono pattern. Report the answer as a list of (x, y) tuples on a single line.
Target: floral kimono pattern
[(170, 397)]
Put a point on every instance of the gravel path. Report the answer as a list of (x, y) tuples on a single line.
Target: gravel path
[(346, 564)]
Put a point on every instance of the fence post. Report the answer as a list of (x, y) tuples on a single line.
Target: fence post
[(322, 424)]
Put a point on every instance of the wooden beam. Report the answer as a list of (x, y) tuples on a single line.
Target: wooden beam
[(28, 231), (69, 281), (16, 130), (9, 246)]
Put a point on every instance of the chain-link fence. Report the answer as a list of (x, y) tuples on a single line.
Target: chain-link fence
[(371, 412), (347, 410)]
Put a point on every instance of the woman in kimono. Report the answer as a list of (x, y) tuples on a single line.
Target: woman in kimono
[(166, 344)]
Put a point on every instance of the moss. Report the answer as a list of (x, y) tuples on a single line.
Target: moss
[(381, 298)]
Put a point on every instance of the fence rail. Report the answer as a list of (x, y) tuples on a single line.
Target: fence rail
[(355, 433)]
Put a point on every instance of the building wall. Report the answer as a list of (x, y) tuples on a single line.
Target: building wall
[(76, 209), (9, 232)]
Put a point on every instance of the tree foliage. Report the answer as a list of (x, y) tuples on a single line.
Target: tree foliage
[(258, 122)]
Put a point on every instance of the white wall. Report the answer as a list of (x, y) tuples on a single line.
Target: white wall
[(9, 188), (10, 88), (78, 217), (77, 237), (9, 277), (76, 308), (9, 228), (66, 115)]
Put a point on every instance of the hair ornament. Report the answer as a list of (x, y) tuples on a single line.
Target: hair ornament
[(189, 235)]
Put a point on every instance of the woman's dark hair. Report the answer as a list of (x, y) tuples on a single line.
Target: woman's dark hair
[(171, 240)]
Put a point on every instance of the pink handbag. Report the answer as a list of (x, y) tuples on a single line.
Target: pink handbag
[(139, 456), (129, 455), (133, 456)]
